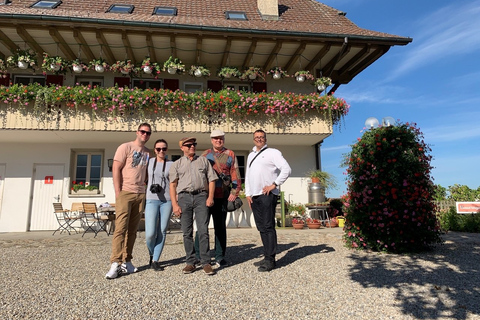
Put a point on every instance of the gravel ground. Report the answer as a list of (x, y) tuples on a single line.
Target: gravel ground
[(63, 277)]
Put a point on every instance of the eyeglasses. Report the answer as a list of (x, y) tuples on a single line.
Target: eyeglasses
[(259, 138), (189, 145), (145, 132), (217, 138), (161, 149)]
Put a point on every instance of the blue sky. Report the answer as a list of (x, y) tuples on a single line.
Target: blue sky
[(434, 81)]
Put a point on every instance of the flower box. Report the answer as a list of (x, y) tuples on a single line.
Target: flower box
[(86, 192)]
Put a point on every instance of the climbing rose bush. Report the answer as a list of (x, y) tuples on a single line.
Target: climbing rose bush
[(390, 192)]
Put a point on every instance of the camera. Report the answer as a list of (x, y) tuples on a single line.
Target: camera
[(155, 188), (225, 178)]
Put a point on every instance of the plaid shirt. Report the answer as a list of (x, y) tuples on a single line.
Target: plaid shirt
[(228, 165)]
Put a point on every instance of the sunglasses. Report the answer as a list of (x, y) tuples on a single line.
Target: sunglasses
[(145, 132), (189, 145), (161, 149), (259, 138)]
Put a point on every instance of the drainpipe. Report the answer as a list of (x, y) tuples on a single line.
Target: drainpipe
[(318, 155)]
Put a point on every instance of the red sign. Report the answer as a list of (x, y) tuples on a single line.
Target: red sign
[(468, 207), (48, 179)]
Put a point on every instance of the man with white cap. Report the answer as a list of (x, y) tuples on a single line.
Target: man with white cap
[(227, 188), (192, 179)]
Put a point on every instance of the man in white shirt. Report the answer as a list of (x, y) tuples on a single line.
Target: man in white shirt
[(266, 170)]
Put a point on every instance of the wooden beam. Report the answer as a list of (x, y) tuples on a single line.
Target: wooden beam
[(251, 50), (83, 45), (371, 58), (67, 51), (226, 52), (352, 62), (7, 42), (105, 47), (272, 55), (296, 55), (173, 46), (198, 51), (318, 57), (329, 67), (31, 42), (128, 47), (151, 48)]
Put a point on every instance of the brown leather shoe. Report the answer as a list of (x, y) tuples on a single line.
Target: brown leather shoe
[(208, 269), (188, 269)]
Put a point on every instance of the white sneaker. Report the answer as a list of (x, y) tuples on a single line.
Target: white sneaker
[(127, 267), (113, 272)]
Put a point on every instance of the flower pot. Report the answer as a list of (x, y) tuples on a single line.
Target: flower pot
[(300, 78), (22, 65), (99, 68), (314, 225), (86, 192), (298, 225), (172, 70), (252, 76), (124, 71), (227, 76), (197, 73), (54, 67), (276, 76), (147, 69), (77, 69), (321, 87)]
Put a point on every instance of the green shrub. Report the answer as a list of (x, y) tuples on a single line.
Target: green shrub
[(452, 221)]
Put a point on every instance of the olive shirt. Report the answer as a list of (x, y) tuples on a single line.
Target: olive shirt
[(192, 175)]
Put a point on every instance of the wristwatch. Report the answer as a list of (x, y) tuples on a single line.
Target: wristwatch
[(275, 184)]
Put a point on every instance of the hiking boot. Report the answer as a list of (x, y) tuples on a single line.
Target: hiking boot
[(208, 269), (115, 269), (189, 269), (128, 267), (156, 266)]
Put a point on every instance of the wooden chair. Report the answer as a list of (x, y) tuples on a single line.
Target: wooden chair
[(63, 219), (92, 220)]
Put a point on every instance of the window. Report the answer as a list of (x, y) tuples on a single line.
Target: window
[(235, 15), (238, 86), (46, 4), (147, 83), (87, 167), (165, 11), (241, 166), (192, 87), (121, 8), (89, 81), (27, 79)]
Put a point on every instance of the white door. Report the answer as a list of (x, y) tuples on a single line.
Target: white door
[(47, 189), (2, 182)]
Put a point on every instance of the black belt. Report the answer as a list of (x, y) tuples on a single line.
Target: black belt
[(193, 192)]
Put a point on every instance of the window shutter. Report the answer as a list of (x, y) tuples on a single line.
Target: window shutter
[(171, 84), (214, 85), (258, 87), (5, 81), (54, 79), (122, 82)]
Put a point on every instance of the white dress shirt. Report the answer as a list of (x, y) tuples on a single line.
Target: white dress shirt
[(269, 167)]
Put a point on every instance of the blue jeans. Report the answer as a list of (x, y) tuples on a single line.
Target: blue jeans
[(157, 217)]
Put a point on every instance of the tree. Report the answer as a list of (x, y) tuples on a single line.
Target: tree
[(463, 193), (440, 193)]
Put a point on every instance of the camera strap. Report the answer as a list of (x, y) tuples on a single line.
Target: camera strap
[(250, 164), (163, 170)]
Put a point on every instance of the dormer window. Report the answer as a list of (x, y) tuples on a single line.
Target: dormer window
[(120, 8), (235, 15), (165, 11), (46, 4)]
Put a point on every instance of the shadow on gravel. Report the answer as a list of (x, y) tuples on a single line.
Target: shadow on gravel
[(442, 283)]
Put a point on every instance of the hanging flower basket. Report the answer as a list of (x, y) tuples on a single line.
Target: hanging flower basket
[(78, 66), (252, 73), (3, 69), (199, 71), (174, 66), (322, 83), (149, 67), (55, 64), (124, 67), (99, 65), (277, 73), (303, 75), (229, 72), (22, 59)]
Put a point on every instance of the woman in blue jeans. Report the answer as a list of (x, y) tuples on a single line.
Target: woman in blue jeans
[(158, 207)]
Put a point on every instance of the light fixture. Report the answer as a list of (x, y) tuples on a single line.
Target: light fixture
[(110, 164), (371, 122), (388, 121)]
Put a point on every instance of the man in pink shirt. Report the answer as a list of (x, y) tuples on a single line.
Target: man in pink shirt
[(129, 176)]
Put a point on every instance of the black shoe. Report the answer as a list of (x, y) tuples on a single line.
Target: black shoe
[(259, 263), (267, 266), (156, 266), (220, 264)]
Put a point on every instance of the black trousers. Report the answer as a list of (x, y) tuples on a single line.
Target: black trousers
[(263, 208)]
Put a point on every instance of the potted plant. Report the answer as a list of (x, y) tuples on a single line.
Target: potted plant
[(277, 73), (99, 65), (298, 223), (22, 59), (325, 179), (54, 64), (313, 223), (78, 66), (173, 66), (3, 68), (149, 67), (322, 83), (124, 66), (199, 71), (252, 73), (83, 188), (303, 75), (228, 72)]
